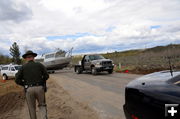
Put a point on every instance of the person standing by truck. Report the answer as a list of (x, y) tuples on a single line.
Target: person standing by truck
[(33, 76)]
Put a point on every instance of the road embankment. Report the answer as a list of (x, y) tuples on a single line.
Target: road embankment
[(60, 104)]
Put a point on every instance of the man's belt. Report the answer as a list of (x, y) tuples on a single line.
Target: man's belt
[(32, 85), (35, 84)]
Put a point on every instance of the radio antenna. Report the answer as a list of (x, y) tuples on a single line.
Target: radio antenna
[(170, 66)]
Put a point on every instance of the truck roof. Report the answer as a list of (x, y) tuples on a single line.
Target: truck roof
[(10, 65), (92, 54)]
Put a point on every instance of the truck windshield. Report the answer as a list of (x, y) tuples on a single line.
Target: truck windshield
[(17, 67), (96, 57)]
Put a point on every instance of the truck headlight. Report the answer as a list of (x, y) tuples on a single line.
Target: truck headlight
[(98, 64)]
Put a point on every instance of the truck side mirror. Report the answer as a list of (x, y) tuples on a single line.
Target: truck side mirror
[(86, 60)]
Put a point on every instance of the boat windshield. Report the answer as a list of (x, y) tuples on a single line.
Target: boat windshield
[(96, 57), (49, 56), (60, 54), (39, 60)]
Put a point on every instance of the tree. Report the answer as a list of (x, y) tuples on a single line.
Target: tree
[(15, 53), (4, 59)]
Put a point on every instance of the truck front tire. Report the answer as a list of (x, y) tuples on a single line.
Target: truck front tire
[(93, 71), (5, 77)]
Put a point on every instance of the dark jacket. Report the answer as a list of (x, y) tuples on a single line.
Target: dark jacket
[(31, 73)]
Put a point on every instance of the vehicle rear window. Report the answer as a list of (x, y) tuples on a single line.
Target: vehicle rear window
[(17, 67), (4, 68)]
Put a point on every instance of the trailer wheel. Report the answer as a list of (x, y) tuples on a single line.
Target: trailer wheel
[(93, 71), (5, 77), (78, 70)]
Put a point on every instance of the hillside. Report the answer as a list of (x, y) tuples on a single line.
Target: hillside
[(144, 60), (4, 59)]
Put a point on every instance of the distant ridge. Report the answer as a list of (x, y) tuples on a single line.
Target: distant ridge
[(138, 51), (161, 48)]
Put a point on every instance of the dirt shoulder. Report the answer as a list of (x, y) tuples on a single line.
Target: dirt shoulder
[(11, 104), (59, 103), (8, 86), (11, 99), (62, 106)]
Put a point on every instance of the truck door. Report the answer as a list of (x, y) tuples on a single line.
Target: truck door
[(13, 71), (8, 71), (87, 63)]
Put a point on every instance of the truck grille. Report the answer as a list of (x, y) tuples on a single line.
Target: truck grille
[(107, 63)]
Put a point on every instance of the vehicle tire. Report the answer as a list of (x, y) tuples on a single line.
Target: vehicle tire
[(5, 77), (93, 71), (78, 70), (110, 71)]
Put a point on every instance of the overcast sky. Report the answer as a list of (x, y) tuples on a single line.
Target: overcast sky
[(90, 26)]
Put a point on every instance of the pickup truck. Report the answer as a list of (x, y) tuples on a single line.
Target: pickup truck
[(94, 63), (9, 71)]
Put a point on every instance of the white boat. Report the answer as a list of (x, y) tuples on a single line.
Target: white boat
[(55, 60)]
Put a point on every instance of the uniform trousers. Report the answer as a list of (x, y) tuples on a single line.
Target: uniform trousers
[(33, 94)]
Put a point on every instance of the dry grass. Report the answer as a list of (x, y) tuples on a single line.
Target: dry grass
[(145, 61), (8, 86)]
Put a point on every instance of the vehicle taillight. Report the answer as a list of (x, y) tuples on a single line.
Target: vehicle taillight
[(134, 117)]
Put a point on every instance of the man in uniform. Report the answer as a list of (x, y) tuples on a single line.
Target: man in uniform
[(33, 76)]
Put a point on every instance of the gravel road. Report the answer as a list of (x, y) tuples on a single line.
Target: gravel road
[(71, 96), (103, 93)]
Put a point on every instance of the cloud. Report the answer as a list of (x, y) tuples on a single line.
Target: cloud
[(88, 26), (119, 39), (14, 11)]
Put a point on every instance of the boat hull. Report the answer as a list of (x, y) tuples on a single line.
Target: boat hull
[(57, 63)]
